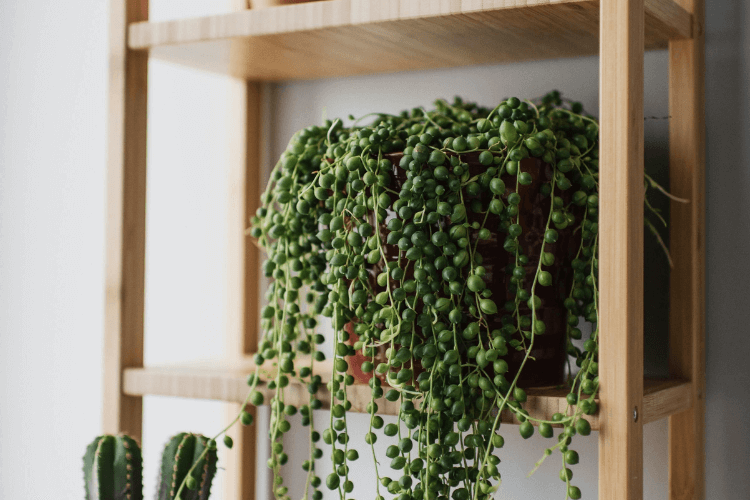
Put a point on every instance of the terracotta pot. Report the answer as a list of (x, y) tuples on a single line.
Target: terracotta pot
[(549, 351), (355, 361), (548, 368)]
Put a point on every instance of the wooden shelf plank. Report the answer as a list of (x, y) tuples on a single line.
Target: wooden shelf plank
[(352, 37), (227, 382)]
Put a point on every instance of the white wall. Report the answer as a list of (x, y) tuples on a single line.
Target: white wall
[(52, 94), (52, 220), (727, 244), (52, 127)]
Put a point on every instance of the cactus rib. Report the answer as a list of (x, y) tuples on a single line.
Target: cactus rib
[(184, 454), (112, 469)]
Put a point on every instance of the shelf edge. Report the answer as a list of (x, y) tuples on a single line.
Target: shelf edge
[(662, 398)]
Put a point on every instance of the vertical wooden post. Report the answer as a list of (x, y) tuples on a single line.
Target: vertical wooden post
[(126, 217), (253, 176), (687, 287), (241, 469), (621, 249), (253, 169)]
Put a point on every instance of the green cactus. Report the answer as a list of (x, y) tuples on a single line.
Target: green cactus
[(113, 470), (180, 453)]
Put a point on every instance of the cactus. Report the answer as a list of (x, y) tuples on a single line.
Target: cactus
[(113, 470), (180, 453)]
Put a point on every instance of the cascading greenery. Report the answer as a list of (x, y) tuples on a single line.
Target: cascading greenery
[(332, 211), (113, 468), (384, 228)]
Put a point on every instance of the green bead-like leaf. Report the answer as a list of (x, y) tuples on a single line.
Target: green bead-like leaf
[(508, 133), (488, 306)]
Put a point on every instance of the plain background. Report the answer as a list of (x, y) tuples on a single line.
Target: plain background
[(53, 76)]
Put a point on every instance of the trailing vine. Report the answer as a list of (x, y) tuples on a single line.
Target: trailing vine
[(394, 230)]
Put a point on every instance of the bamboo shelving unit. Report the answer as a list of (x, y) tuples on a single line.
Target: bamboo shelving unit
[(353, 37)]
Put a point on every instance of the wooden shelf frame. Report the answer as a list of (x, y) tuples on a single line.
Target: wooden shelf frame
[(342, 38)]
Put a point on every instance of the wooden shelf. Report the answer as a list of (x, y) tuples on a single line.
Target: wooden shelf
[(213, 381), (354, 37)]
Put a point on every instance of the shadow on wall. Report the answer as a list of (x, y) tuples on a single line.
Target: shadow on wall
[(656, 269), (727, 244)]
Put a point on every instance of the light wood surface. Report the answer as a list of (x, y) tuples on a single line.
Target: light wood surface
[(245, 467), (351, 37), (253, 169), (243, 126), (126, 218), (687, 242), (227, 382), (661, 399), (621, 250)]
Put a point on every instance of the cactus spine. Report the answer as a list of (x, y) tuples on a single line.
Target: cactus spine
[(112, 469)]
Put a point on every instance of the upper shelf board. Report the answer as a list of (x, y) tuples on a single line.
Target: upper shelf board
[(356, 37)]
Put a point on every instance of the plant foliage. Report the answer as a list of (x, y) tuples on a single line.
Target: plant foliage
[(428, 240), (395, 251)]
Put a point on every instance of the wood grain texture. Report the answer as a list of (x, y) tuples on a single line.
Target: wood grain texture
[(621, 250), (253, 168), (687, 242), (246, 468), (244, 275), (661, 399), (228, 383), (352, 37), (126, 218)]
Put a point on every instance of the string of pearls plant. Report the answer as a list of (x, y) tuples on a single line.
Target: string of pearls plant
[(381, 228)]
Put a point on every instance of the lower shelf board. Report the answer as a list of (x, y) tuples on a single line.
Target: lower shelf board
[(228, 382)]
